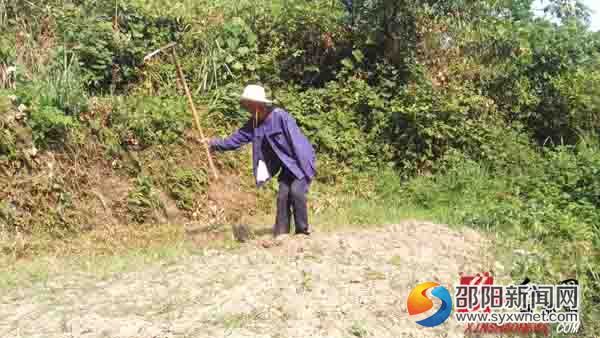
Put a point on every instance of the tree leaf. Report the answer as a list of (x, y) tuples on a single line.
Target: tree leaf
[(348, 63), (358, 55), (243, 50), (251, 38), (232, 43), (238, 66)]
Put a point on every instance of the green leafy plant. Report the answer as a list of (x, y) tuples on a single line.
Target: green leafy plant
[(50, 126), (146, 121), (184, 184), (143, 201)]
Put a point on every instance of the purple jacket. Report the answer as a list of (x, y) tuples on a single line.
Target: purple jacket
[(290, 146)]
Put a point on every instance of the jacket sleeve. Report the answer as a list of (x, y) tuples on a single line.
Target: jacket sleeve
[(233, 142), (303, 150)]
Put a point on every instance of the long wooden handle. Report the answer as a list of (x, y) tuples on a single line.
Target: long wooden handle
[(194, 112)]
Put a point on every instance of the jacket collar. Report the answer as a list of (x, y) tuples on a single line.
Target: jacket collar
[(269, 126)]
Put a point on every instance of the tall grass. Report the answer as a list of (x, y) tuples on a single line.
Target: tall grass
[(58, 84), (63, 85), (3, 13)]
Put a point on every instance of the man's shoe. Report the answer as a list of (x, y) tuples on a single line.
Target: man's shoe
[(302, 232)]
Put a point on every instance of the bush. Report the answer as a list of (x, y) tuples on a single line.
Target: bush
[(111, 49), (184, 183), (7, 136), (143, 201), (55, 99), (343, 120), (305, 40), (555, 196), (224, 106), (50, 126), (552, 90), (145, 121), (565, 183)]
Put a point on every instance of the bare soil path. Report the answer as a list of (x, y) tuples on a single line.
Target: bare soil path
[(343, 284)]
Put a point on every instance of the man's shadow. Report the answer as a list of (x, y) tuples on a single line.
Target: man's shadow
[(241, 232)]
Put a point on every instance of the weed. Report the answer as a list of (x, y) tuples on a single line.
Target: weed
[(396, 261), (8, 150), (307, 282), (239, 320), (50, 126), (146, 121), (184, 184), (7, 216), (374, 275), (358, 330), (143, 201)]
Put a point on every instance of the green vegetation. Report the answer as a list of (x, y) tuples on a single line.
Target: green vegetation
[(357, 330), (143, 200), (183, 183), (473, 113)]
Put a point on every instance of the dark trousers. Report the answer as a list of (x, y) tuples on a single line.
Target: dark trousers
[(291, 196)]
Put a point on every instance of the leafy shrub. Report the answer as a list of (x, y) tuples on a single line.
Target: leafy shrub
[(224, 106), (7, 144), (364, 125), (7, 137), (425, 123), (143, 201), (146, 121), (111, 48), (554, 197), (344, 120), (93, 41), (184, 183), (566, 182), (50, 125), (305, 41), (552, 90), (54, 100), (222, 53)]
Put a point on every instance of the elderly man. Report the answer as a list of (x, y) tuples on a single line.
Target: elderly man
[(278, 146)]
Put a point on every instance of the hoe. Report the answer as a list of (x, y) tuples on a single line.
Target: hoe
[(221, 192)]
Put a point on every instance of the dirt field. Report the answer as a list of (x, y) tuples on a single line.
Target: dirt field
[(343, 284)]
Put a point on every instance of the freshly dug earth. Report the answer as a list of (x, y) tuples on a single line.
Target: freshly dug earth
[(344, 284)]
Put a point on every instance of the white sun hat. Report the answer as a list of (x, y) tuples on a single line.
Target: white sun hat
[(255, 93)]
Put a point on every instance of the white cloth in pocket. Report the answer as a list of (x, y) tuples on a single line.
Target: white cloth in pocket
[(262, 173)]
